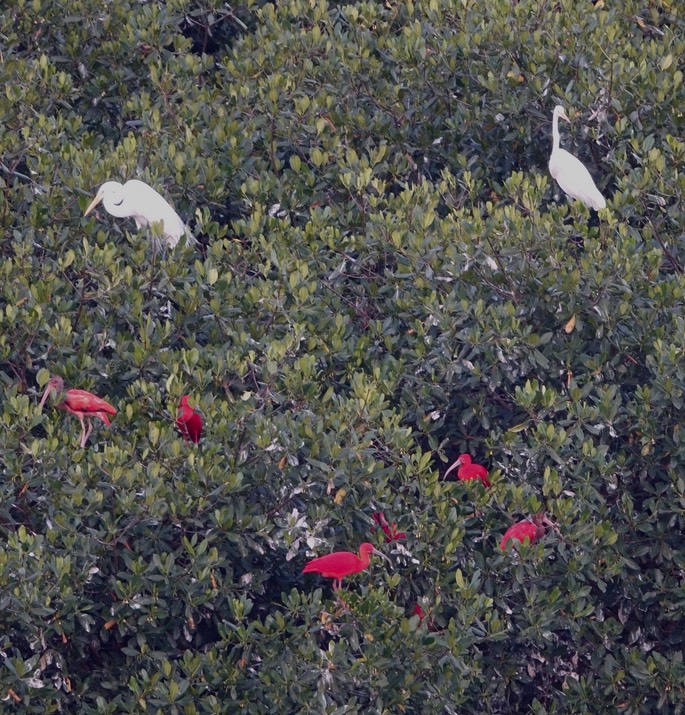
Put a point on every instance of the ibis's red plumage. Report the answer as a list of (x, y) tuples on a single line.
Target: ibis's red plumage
[(81, 403), (86, 403), (467, 470), (189, 422), (533, 529), (390, 530), (418, 611), (341, 563)]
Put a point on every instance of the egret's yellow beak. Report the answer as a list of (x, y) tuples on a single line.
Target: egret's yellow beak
[(563, 115), (94, 203)]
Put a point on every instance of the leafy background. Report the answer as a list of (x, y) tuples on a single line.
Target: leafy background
[(387, 277)]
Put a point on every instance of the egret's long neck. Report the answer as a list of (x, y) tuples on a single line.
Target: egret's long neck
[(555, 132)]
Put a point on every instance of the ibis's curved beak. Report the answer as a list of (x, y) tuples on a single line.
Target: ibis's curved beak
[(546, 521), (94, 203), (381, 554), (452, 468), (48, 389)]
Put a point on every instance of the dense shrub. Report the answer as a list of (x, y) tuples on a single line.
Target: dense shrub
[(387, 277)]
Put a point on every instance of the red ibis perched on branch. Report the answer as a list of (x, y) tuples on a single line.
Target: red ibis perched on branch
[(531, 529), (342, 563), (467, 470), (390, 530), (189, 421), (85, 405)]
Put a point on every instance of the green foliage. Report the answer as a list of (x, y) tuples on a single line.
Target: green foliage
[(385, 279)]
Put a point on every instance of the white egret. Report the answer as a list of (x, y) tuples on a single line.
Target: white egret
[(569, 172), (141, 202)]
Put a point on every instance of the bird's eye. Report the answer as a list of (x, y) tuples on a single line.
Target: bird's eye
[(118, 203)]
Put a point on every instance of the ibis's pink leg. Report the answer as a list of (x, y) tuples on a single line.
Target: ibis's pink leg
[(85, 437), (337, 585), (83, 431)]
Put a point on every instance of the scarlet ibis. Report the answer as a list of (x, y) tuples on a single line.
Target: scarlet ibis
[(342, 563), (189, 422), (390, 530), (81, 403), (418, 611), (533, 529), (467, 470)]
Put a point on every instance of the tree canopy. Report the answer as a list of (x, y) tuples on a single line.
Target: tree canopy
[(386, 277)]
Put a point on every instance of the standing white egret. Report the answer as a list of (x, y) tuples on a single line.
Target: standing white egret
[(569, 172), (141, 202)]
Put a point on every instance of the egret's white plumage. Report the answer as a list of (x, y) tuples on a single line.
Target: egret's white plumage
[(141, 202), (569, 172)]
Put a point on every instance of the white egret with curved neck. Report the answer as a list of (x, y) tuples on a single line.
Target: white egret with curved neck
[(569, 172), (137, 200)]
